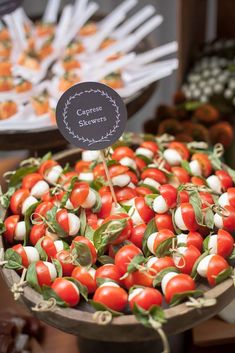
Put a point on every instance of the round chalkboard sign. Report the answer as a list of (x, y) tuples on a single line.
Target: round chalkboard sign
[(8, 6), (91, 115)]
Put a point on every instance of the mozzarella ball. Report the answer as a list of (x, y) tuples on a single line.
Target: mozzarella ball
[(214, 183), (20, 231), (86, 176), (218, 221), (151, 182), (212, 244), (150, 242), (89, 156), (172, 156), (28, 202), (90, 200), (74, 224), (54, 174), (144, 152), (203, 265), (195, 168), (160, 205), (32, 254), (121, 180), (166, 279), (179, 219), (128, 162), (223, 199), (39, 189)]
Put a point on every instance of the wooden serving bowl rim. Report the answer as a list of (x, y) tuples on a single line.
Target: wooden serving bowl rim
[(79, 322)]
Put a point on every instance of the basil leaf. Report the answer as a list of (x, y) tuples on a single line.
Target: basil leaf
[(107, 233), (5, 198), (2, 226), (68, 192), (48, 293), (96, 208), (102, 307), (19, 174), (32, 277), (150, 229), (82, 221), (158, 279), (164, 247), (27, 219), (180, 297), (133, 265), (46, 157), (157, 314), (89, 232), (105, 259), (14, 260), (83, 254), (58, 267), (186, 166), (194, 269), (141, 315), (149, 199), (98, 183), (151, 188), (41, 251), (209, 218), (205, 243), (223, 275), (101, 281), (56, 228)]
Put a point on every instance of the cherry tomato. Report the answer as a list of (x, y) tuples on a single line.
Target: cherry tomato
[(145, 212), (157, 238), (126, 232), (67, 291), (36, 233), (62, 257), (225, 179), (143, 191), (114, 298), (139, 278), (155, 174), (124, 256), (183, 196), (17, 200), (204, 162), (181, 174), (146, 298), (181, 148), (216, 265), (30, 180), (150, 145), (82, 166), (140, 163), (179, 284), (62, 219), (185, 218), (164, 221), (231, 196), (121, 152), (45, 166), (86, 277), (124, 194), (169, 193), (137, 235), (42, 209), (206, 199), (106, 207), (197, 181), (79, 194), (117, 169), (88, 243), (46, 273), (157, 264), (185, 258), (99, 171), (10, 226), (67, 177), (108, 271)]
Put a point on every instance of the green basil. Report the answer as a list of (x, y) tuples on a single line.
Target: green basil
[(150, 229), (48, 293), (32, 277), (180, 297), (83, 254), (14, 260), (19, 174), (101, 307), (27, 219), (137, 260)]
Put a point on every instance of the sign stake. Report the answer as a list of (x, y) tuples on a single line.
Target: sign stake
[(108, 177)]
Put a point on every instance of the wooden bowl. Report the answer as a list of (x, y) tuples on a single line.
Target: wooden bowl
[(125, 328)]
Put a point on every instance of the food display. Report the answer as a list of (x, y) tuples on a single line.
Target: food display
[(166, 237), (41, 60), (203, 108)]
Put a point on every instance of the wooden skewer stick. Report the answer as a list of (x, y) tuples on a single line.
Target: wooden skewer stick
[(109, 178)]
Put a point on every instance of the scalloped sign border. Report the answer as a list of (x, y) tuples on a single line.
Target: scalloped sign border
[(91, 115)]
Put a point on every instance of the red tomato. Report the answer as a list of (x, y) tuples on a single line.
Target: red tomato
[(178, 284), (154, 174), (67, 268), (114, 298), (138, 278), (169, 193), (92, 219), (231, 196), (143, 191), (62, 219), (36, 233), (124, 256), (124, 194), (109, 271), (181, 148), (140, 163), (225, 179), (216, 265), (99, 171), (48, 246), (181, 174), (121, 152), (229, 221), (183, 197), (89, 244), (45, 166), (161, 263), (204, 162), (43, 274), (206, 198), (188, 216), (145, 212), (133, 177), (85, 277), (195, 239), (79, 194), (145, 298), (106, 201), (117, 169), (197, 181), (67, 291), (164, 221), (10, 225), (161, 236), (42, 209), (186, 259), (30, 180), (137, 235), (67, 177), (17, 200), (126, 232), (82, 166), (150, 145), (225, 243), (19, 249)]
